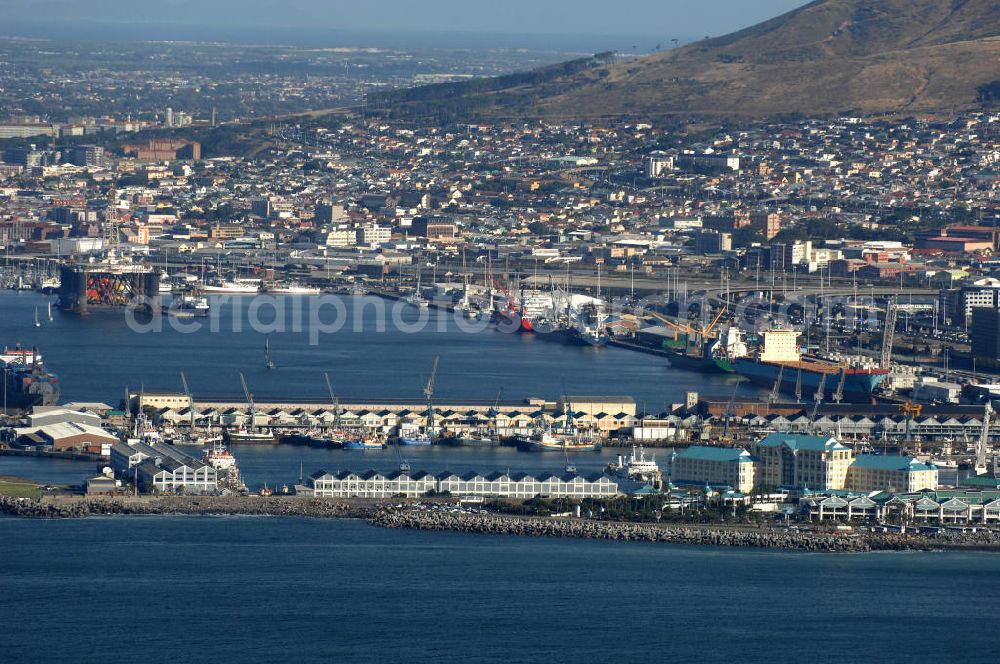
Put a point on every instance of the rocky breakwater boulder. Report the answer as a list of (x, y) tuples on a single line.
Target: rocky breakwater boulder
[(74, 507), (640, 532)]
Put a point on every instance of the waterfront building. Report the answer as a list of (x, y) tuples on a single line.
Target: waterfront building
[(372, 484), (799, 460), (702, 465), (924, 508), (870, 472), (68, 436), (162, 468)]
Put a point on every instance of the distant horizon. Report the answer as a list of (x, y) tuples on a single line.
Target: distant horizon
[(577, 25), (338, 38)]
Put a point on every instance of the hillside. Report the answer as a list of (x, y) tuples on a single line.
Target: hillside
[(828, 57)]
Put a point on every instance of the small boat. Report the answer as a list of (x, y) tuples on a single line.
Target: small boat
[(365, 442), (245, 435), (944, 464), (292, 289), (198, 306), (50, 311), (415, 440), (37, 323), (546, 441)]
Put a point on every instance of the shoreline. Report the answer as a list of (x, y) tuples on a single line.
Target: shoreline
[(378, 514)]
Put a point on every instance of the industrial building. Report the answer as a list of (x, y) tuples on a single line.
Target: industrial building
[(162, 469)]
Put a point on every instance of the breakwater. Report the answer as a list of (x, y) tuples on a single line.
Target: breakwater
[(707, 536), (77, 507)]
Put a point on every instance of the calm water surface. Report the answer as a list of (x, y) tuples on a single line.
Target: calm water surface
[(197, 589), (98, 356)]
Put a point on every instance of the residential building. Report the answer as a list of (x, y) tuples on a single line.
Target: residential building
[(870, 472), (802, 461), (701, 465)]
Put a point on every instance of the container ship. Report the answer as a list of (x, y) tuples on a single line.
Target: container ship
[(779, 356), (26, 381)]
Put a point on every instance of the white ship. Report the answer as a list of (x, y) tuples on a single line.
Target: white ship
[(292, 289), (234, 287)]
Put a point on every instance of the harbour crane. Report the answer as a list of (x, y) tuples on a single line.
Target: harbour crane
[(891, 315), (983, 443), (819, 399), (334, 401), (838, 395), (187, 393), (729, 412), (777, 384), (246, 391), (911, 410), (428, 394)]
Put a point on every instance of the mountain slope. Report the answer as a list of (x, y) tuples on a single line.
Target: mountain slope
[(830, 56)]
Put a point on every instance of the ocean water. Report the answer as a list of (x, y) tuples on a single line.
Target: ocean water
[(205, 589), (371, 356)]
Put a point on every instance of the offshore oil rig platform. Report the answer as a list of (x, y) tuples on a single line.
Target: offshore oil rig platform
[(113, 282), (108, 285)]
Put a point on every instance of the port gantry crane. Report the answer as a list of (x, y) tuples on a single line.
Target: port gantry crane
[(428, 394), (773, 397), (911, 410), (838, 395), (250, 408), (820, 392), (982, 445), (888, 334)]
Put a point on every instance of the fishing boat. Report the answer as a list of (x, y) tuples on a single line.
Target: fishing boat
[(475, 438), (367, 441), (415, 440), (249, 435), (543, 440)]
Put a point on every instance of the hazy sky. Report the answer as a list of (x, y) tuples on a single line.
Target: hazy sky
[(667, 18)]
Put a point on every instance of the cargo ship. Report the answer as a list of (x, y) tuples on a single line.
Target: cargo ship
[(802, 375), (27, 383), (714, 355)]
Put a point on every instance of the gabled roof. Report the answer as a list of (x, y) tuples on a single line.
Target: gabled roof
[(721, 454), (798, 441), (899, 463)]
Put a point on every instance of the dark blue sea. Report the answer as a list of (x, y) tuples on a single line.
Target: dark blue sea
[(376, 352), (203, 589)]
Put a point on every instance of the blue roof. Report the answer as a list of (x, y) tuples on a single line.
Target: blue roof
[(879, 462), (722, 454), (799, 441)]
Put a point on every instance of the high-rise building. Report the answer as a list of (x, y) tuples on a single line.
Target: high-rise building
[(170, 117), (985, 335)]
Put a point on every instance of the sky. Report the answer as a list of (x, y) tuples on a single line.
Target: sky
[(685, 19)]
